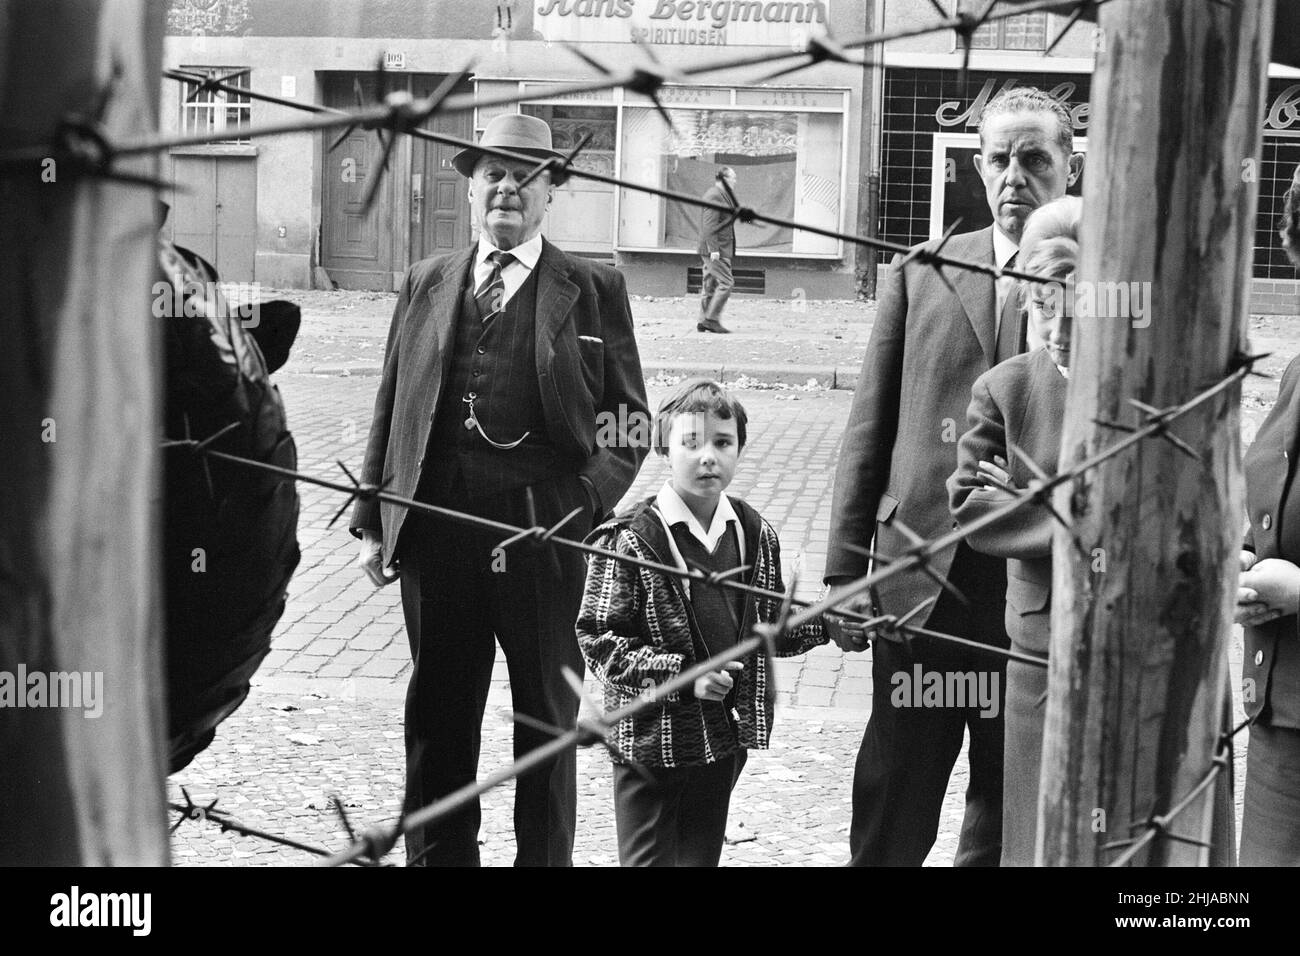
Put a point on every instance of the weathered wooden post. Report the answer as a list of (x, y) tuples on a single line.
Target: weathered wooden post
[(1142, 617), (82, 782)]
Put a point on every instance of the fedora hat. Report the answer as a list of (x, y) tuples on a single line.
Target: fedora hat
[(516, 132)]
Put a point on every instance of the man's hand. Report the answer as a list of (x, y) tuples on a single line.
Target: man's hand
[(1248, 559), (849, 636), (715, 255), (715, 684), (370, 557), (1268, 590)]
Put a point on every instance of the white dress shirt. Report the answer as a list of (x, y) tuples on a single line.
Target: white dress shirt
[(515, 272)]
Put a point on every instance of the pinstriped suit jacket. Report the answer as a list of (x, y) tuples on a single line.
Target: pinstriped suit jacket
[(586, 362)]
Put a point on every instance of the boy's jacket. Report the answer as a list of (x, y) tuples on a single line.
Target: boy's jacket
[(637, 630)]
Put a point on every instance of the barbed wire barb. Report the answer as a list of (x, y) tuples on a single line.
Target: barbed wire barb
[(1042, 492), (1160, 417)]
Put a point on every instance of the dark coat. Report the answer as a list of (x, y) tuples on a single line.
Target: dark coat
[(1270, 672), (1020, 402), (717, 230), (637, 630), (587, 365), (928, 346)]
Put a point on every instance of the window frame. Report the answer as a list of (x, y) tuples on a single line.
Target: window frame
[(213, 106)]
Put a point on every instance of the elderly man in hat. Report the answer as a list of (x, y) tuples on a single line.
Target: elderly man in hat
[(512, 390)]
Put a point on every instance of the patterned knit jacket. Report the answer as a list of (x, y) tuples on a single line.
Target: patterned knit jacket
[(637, 630)]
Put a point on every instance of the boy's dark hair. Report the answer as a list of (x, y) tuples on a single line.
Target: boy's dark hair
[(697, 395)]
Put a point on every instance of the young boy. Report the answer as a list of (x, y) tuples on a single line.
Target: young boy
[(639, 628)]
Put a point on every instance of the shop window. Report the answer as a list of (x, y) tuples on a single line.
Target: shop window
[(582, 215), (1027, 31), (218, 110), (1281, 155), (787, 163)]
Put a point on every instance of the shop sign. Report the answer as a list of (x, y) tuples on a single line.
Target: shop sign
[(1284, 111), (682, 22), (947, 114)]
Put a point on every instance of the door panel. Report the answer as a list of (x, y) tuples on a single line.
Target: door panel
[(440, 219), (193, 215), (356, 244), (214, 211), (236, 212)]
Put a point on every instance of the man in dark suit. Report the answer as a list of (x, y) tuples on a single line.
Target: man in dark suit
[(511, 389), (717, 249), (928, 346)]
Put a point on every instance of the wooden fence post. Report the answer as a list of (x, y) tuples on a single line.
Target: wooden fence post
[(82, 783), (1143, 612)]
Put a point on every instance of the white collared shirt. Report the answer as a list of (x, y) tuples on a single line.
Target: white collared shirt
[(514, 273), (1004, 247), (672, 510)]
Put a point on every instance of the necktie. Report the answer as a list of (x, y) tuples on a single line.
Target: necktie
[(1011, 330), (491, 295)]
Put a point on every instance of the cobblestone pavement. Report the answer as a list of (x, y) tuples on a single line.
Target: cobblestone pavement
[(325, 715)]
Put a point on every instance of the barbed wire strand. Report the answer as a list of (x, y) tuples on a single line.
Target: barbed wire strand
[(402, 115), (189, 810), (1159, 825), (915, 558)]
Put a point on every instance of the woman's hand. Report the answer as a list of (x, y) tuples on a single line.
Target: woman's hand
[(1268, 590), (994, 474)]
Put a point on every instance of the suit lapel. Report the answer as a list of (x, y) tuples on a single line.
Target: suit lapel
[(975, 289), (443, 310), (555, 298), (433, 346)]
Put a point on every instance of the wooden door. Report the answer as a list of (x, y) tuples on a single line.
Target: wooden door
[(356, 244), (440, 217)]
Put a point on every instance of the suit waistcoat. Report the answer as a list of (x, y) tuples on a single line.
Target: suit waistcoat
[(495, 365)]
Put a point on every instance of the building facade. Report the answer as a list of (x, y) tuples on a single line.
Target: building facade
[(289, 210), (883, 148), (928, 130)]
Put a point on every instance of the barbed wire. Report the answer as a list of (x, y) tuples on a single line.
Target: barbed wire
[(1159, 825), (917, 558), (189, 810), (83, 141)]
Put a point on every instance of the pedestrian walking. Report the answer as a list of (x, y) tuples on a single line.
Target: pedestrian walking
[(717, 250)]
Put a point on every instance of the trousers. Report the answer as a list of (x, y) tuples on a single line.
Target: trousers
[(716, 286), (908, 751), (674, 816), (461, 594)]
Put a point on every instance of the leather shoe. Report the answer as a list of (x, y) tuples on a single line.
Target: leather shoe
[(711, 325)]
